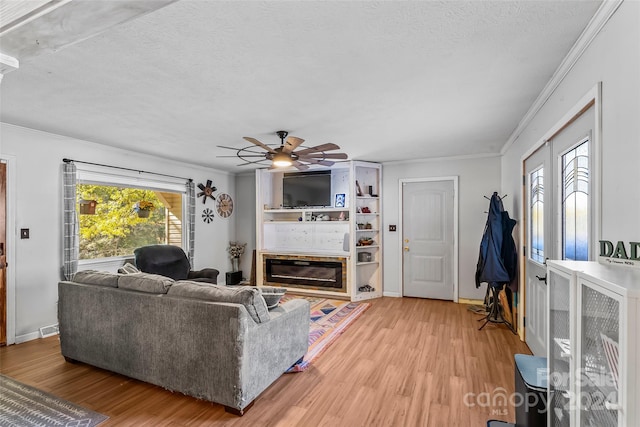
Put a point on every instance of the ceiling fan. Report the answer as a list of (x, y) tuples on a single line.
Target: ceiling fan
[(286, 155)]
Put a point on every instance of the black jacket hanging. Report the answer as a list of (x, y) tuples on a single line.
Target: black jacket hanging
[(497, 261)]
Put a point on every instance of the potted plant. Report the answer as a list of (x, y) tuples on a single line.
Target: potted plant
[(143, 208), (235, 250)]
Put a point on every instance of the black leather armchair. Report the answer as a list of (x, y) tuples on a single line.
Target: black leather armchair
[(171, 261)]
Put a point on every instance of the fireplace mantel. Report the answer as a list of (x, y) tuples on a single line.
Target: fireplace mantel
[(303, 272)]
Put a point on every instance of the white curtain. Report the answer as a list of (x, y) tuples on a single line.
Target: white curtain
[(70, 228)]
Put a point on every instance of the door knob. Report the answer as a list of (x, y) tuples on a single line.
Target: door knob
[(406, 248), (542, 279), (406, 240)]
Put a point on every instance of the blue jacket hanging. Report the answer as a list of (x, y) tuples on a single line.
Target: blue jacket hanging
[(497, 261)]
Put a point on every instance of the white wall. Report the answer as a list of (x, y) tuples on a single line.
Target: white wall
[(246, 218), (613, 58), (38, 184), (478, 177)]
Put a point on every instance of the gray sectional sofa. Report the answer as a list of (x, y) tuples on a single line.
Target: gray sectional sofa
[(208, 341)]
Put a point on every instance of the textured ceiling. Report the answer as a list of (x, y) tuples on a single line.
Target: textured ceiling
[(384, 80)]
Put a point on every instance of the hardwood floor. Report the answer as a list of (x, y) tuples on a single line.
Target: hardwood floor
[(404, 362)]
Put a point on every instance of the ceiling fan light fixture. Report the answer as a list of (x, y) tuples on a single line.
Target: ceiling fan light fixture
[(291, 152), (282, 160)]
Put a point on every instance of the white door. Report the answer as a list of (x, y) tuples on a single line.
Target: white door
[(539, 233), (559, 215), (3, 256), (428, 239)]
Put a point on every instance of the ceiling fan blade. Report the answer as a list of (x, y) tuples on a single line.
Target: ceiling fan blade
[(291, 144), (337, 156), (200, 186), (244, 155), (259, 144), (242, 150), (300, 166), (319, 148), (209, 183), (318, 161)]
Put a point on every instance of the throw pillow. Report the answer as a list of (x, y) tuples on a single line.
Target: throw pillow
[(272, 295), (249, 296), (98, 278), (145, 282), (128, 268)]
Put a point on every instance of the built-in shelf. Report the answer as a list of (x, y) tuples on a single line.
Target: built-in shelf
[(297, 221), (267, 211), (296, 231), (367, 263)]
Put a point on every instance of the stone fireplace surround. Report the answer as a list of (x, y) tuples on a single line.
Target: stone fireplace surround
[(313, 272)]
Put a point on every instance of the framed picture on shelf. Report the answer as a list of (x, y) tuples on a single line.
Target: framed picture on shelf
[(340, 200), (358, 189)]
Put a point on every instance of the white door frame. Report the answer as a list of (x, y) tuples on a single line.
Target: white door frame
[(10, 161), (592, 98), (455, 228)]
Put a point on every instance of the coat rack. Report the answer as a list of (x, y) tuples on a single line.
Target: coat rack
[(489, 198), (496, 263)]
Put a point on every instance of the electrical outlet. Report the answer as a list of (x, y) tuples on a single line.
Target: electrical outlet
[(392, 228), (24, 233)]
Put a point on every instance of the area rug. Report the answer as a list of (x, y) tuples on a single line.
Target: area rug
[(329, 319), (25, 406)]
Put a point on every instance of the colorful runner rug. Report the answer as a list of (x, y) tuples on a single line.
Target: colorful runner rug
[(23, 405), (329, 319)]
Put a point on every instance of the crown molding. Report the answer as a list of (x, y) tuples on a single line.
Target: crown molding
[(443, 158), (593, 28)]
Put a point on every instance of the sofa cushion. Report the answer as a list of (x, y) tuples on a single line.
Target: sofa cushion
[(128, 268), (99, 278), (249, 296), (145, 282)]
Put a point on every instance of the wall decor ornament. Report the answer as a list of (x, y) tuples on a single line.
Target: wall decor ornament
[(207, 215), (224, 205), (207, 191)]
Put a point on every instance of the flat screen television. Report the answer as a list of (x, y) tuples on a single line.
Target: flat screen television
[(306, 189)]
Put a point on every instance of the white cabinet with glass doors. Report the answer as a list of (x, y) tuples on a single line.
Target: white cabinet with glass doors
[(594, 354)]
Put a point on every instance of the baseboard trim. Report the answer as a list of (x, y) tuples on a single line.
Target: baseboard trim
[(470, 301), (392, 294), (27, 337)]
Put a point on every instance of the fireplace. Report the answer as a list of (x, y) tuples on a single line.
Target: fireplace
[(318, 273)]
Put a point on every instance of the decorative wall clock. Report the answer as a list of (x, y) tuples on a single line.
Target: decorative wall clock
[(207, 215), (224, 205), (207, 191)]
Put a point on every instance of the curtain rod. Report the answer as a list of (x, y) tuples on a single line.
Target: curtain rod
[(126, 169)]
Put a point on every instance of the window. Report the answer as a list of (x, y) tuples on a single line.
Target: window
[(116, 228), (536, 206), (575, 203)]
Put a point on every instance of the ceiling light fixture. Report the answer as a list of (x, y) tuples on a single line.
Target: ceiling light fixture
[(291, 152), (281, 159)]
